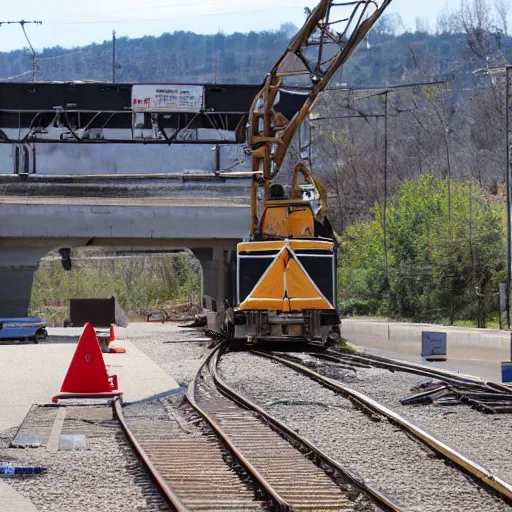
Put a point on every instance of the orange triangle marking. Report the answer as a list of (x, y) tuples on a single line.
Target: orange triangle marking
[(299, 286), (285, 286), (272, 285)]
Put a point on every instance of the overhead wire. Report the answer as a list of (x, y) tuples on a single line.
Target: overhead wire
[(179, 16), (22, 24), (169, 6), (17, 76)]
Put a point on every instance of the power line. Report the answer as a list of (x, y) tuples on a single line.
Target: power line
[(54, 57), (19, 22), (168, 6), (361, 116), (382, 89), (179, 4), (22, 24), (195, 15), (43, 60), (17, 76)]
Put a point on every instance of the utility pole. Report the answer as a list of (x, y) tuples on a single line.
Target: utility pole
[(508, 181), (385, 205), (22, 23), (113, 56)]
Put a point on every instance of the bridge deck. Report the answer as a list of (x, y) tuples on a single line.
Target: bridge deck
[(190, 202)]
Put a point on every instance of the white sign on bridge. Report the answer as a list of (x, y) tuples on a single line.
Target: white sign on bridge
[(167, 98)]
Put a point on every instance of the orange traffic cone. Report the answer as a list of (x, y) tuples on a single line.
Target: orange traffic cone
[(117, 350), (114, 350), (112, 334), (87, 376)]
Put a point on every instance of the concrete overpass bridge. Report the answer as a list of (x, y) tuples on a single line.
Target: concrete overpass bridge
[(124, 165), (203, 212)]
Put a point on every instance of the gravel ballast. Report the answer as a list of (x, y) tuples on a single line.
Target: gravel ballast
[(177, 351), (483, 438), (104, 476), (386, 457)]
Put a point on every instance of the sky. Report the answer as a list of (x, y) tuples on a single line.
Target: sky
[(77, 23)]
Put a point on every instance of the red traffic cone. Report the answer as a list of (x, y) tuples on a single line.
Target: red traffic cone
[(112, 334), (114, 350), (87, 376)]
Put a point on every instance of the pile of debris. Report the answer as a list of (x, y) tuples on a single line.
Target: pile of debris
[(177, 313), (485, 398)]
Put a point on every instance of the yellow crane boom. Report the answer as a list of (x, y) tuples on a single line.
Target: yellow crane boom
[(328, 38)]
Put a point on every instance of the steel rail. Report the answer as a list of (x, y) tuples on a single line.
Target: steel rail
[(481, 474), (167, 492), (419, 369), (410, 368), (286, 432), (281, 503)]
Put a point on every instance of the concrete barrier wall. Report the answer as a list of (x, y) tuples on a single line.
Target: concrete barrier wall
[(462, 343)]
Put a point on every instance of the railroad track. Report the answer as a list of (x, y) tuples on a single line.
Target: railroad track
[(189, 465), (481, 475), (243, 458), (485, 396), (418, 369)]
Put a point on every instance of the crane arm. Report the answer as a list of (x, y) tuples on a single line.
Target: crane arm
[(331, 33)]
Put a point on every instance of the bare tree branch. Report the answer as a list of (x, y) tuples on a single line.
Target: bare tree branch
[(477, 21), (502, 7)]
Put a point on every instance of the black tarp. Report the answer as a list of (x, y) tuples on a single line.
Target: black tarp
[(99, 312)]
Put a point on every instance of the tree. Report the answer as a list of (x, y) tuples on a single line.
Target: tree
[(440, 269), (288, 29), (501, 7), (447, 22), (422, 25), (389, 24), (477, 20)]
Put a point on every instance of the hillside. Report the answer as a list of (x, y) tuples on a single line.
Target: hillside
[(242, 58)]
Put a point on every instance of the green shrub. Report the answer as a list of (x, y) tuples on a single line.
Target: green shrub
[(139, 283), (443, 265), (359, 307)]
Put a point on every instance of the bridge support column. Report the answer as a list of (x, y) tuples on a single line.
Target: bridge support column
[(17, 267), (218, 281)]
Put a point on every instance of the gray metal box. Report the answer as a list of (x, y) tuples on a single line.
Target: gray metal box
[(69, 442), (433, 346)]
